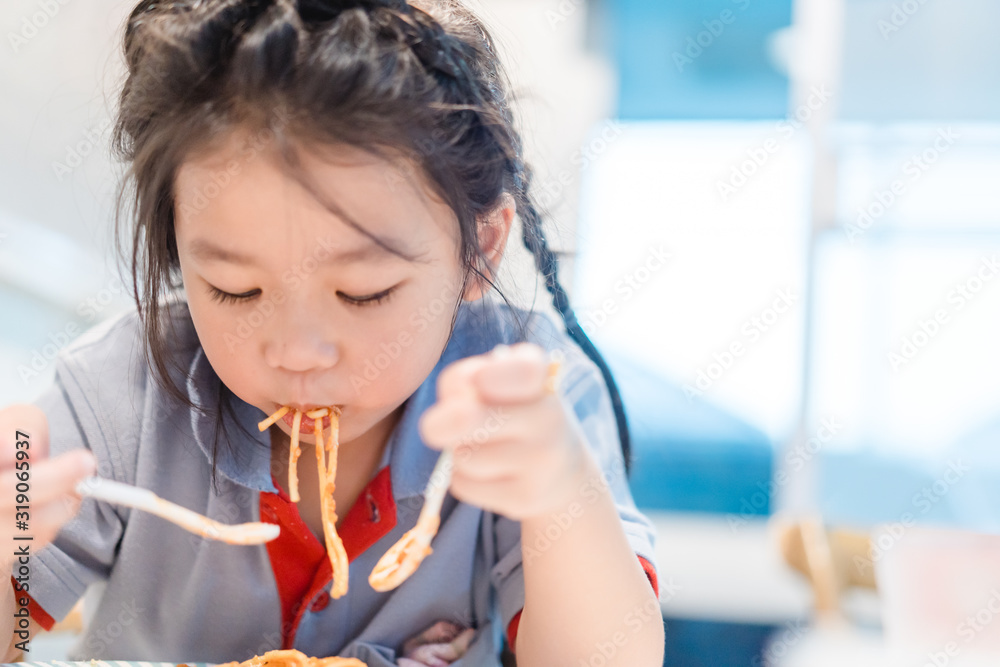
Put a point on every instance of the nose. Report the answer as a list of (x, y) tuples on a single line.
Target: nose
[(301, 352), (300, 344)]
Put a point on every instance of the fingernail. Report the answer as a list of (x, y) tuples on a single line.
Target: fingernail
[(501, 351), (88, 464)]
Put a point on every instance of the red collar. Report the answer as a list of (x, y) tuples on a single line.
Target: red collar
[(298, 559)]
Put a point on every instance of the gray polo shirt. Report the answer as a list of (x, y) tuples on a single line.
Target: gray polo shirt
[(171, 596)]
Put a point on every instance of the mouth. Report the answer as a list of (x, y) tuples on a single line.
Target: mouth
[(308, 424)]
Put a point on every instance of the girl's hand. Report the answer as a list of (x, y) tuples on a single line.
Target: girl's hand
[(518, 450), (51, 500), (437, 646)]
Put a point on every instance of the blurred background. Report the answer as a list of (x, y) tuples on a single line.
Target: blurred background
[(781, 227)]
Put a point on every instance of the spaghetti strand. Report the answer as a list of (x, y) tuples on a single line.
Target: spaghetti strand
[(326, 467), (293, 457), (278, 414), (334, 545)]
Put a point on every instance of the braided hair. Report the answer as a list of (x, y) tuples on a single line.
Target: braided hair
[(419, 80)]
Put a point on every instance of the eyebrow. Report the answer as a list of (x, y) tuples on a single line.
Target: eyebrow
[(208, 251)]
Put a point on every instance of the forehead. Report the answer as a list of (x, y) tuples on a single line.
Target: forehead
[(243, 188)]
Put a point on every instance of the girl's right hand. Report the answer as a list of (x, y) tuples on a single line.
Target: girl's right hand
[(51, 498)]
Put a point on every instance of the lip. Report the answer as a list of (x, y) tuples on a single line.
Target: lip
[(307, 424)]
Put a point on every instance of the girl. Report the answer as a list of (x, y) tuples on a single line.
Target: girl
[(322, 194)]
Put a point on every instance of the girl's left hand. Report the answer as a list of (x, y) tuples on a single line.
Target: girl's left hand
[(518, 450), (438, 646)]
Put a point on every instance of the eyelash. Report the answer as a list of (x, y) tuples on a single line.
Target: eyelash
[(226, 297), (372, 300)]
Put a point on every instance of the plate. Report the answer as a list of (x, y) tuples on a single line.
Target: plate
[(106, 663)]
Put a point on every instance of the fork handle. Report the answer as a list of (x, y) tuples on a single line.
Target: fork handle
[(118, 493), (144, 499)]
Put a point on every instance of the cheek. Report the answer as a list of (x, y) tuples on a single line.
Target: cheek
[(228, 354), (391, 362), (390, 365), (235, 375)]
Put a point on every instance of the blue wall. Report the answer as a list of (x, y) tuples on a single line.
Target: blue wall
[(696, 59)]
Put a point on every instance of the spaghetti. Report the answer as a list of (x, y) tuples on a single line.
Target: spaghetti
[(327, 475), (293, 658)]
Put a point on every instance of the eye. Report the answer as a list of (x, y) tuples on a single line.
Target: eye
[(370, 300), (226, 297)]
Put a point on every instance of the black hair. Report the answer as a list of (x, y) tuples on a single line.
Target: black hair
[(419, 80)]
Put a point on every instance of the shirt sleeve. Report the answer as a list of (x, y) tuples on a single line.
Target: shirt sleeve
[(84, 550), (582, 385)]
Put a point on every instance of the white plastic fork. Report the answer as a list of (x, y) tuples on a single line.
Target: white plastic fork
[(147, 501)]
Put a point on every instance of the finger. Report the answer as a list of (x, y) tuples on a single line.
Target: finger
[(512, 375), (29, 420), (450, 423), (491, 460), (55, 512), (456, 379), (52, 478), (511, 438), (489, 494), (463, 641), (406, 662), (435, 654), (442, 631), (47, 520)]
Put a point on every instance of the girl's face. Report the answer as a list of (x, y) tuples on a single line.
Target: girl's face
[(292, 305)]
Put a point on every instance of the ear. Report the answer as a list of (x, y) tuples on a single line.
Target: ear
[(492, 232)]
